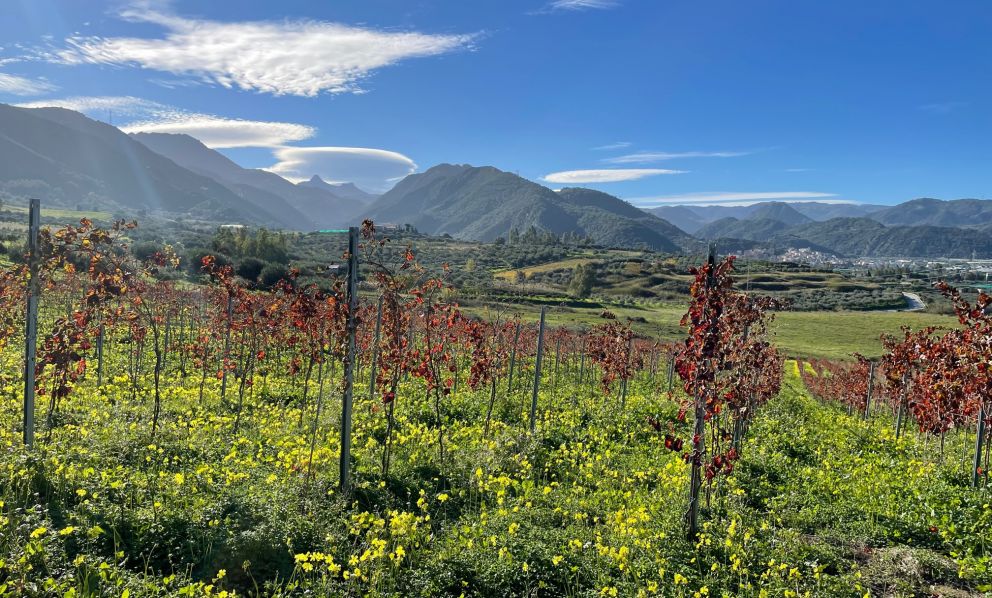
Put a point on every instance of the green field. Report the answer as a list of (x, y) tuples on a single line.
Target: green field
[(570, 263), (832, 335), (69, 216)]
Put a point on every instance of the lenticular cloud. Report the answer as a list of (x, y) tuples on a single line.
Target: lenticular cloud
[(303, 58)]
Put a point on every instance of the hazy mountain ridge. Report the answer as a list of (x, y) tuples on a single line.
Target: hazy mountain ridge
[(757, 229), (294, 205), (927, 211), (923, 228), (348, 191), (856, 237), (695, 217), (70, 160)]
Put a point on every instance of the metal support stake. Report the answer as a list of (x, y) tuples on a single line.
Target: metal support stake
[(349, 365), (537, 372), (31, 325)]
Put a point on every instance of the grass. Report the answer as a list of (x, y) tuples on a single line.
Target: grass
[(836, 335), (64, 214), (820, 504), (832, 335), (510, 275)]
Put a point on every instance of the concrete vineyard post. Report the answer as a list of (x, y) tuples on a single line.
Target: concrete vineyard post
[(344, 479), (537, 371), (31, 323)]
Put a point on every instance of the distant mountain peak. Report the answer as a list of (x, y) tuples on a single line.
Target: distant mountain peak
[(349, 191), (484, 202)]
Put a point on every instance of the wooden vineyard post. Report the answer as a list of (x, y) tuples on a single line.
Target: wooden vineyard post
[(99, 356), (344, 479), (902, 407), (871, 385), (623, 381), (671, 371), (537, 371), (582, 359), (513, 360), (976, 468), (375, 350), (31, 323), (227, 346), (699, 430)]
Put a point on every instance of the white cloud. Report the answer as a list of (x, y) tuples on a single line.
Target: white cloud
[(606, 175), (613, 146), (303, 57), (146, 116), (371, 169), (100, 105), (219, 132), (582, 4), (727, 198), (646, 157), (22, 86)]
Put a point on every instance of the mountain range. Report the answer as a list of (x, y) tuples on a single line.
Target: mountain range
[(691, 218), (885, 232), (483, 203), (72, 161)]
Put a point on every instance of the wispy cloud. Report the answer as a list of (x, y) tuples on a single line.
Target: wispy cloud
[(648, 157), (798, 169), (99, 106), (220, 132), (372, 169), (732, 198), (582, 4), (613, 146), (302, 58), (22, 86), (607, 175), (146, 116), (943, 107)]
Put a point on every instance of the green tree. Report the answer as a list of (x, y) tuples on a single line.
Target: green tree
[(583, 280), (250, 268)]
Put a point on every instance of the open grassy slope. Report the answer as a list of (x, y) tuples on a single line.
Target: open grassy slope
[(834, 335)]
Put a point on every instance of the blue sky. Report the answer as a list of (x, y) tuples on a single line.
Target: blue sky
[(651, 100)]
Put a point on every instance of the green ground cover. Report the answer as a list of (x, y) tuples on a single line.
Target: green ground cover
[(821, 504)]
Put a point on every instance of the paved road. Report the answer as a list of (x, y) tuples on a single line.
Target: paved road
[(914, 303)]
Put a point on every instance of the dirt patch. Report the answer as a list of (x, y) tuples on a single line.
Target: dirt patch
[(902, 571)]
